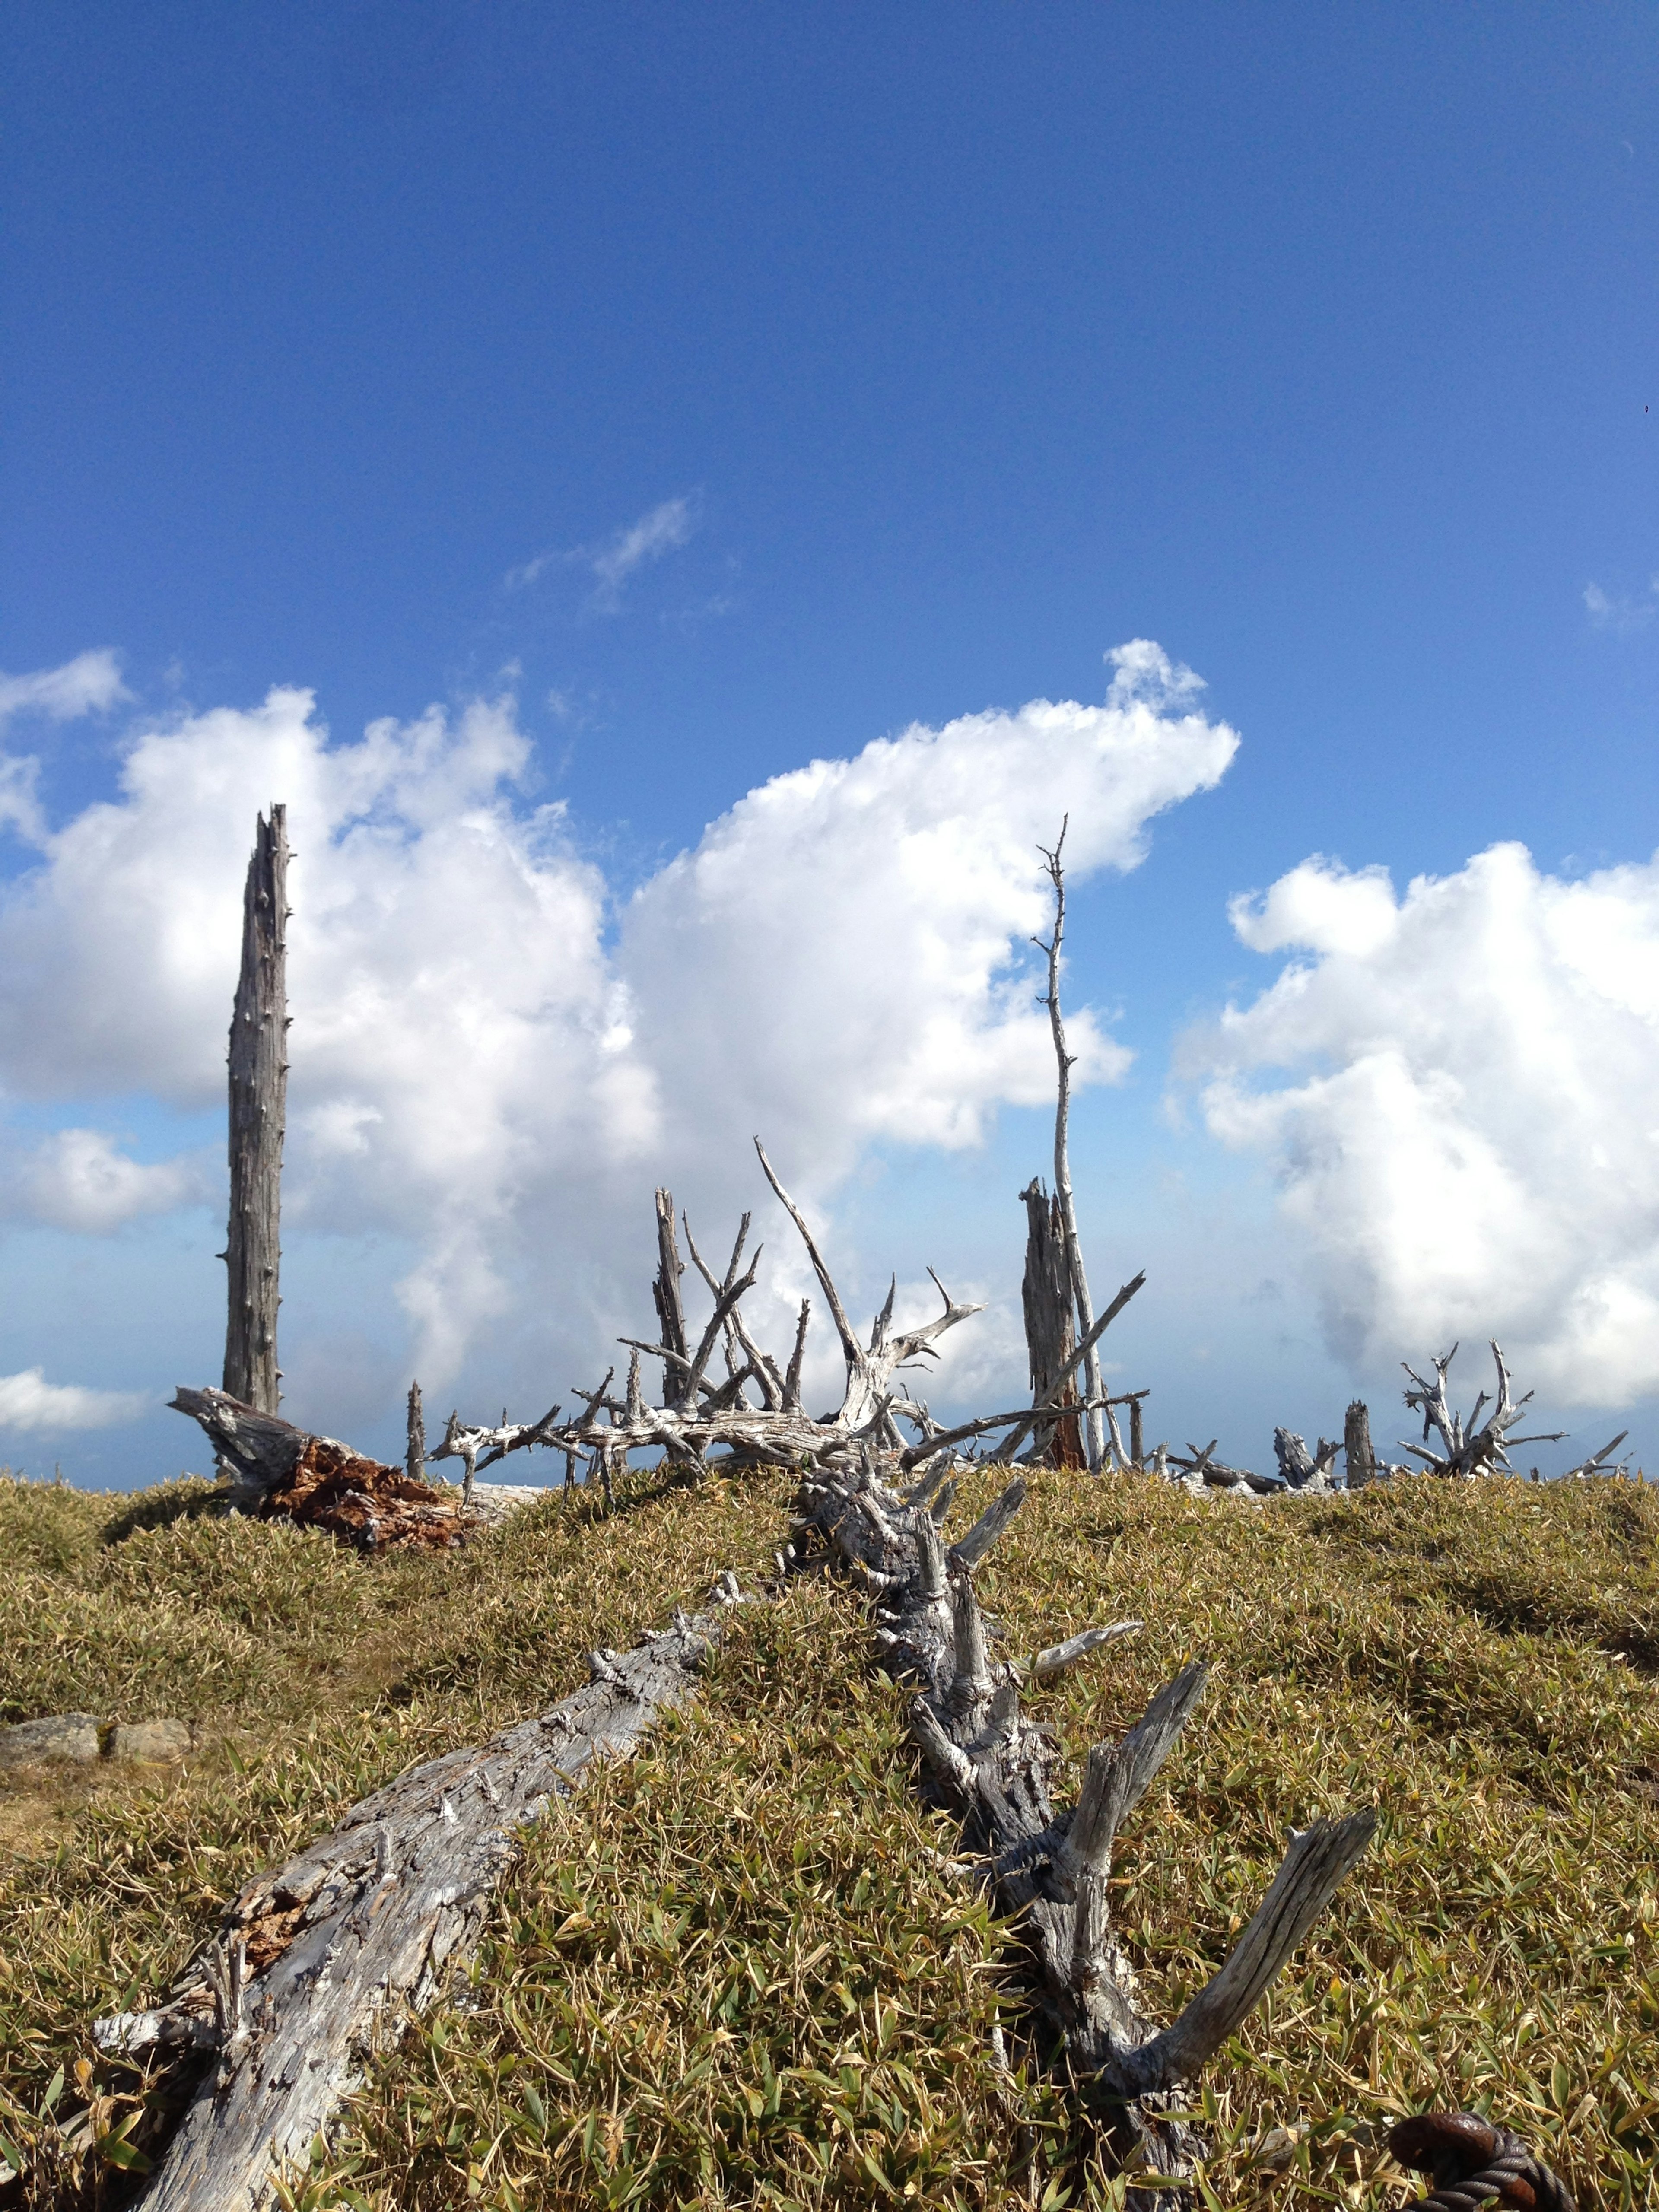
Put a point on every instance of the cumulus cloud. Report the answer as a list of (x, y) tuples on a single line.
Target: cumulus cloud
[(1460, 1091), (79, 1179), (30, 1406), (484, 1067)]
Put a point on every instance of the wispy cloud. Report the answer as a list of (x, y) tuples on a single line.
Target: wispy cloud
[(32, 1406), (77, 1179), (86, 685), (611, 562), (1617, 611)]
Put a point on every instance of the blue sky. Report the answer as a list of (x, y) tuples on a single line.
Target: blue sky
[(928, 355)]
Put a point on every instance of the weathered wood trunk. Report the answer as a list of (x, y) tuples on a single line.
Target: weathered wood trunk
[(671, 1309), (1052, 1871), (415, 1449), (314, 1966), (1361, 1460), (1050, 1337), (1063, 1201), (258, 1093)]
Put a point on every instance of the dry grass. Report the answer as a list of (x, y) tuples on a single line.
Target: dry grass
[(732, 1972)]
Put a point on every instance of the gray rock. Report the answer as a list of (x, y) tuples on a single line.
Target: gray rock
[(159, 1742), (71, 1736)]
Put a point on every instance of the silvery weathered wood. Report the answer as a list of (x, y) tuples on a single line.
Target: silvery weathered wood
[(665, 1292), (259, 1091), (415, 1449), (1359, 1457), (1469, 1448), (315, 1964), (1050, 1333), (1051, 1870), (1065, 1062)]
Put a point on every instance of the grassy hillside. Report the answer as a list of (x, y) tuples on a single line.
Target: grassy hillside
[(738, 1970)]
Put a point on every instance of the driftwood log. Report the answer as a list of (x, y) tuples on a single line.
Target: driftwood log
[(258, 1092), (1048, 1867), (314, 1967)]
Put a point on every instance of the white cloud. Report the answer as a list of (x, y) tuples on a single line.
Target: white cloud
[(1467, 1122), (31, 1406), (842, 960), (77, 1179), (1617, 611), (88, 685), (665, 529)]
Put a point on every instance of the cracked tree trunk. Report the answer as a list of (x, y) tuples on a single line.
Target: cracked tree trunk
[(258, 1093), (1359, 1456), (1050, 1337), (314, 1966)]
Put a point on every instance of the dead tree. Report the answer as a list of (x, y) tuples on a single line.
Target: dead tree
[(278, 1471), (415, 1451), (666, 1290), (1470, 1448), (314, 1967), (258, 1093), (1064, 1062), (1049, 1869), (1360, 1459), (1051, 1335)]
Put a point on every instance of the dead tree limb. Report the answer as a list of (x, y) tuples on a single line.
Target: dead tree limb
[(1359, 1458), (1065, 1062), (1470, 1448), (665, 1290), (313, 1967), (258, 1093), (1051, 1870)]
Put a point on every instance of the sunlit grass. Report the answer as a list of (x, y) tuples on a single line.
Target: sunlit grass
[(734, 1972)]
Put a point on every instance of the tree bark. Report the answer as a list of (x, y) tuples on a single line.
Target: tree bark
[(1356, 1446), (313, 1965), (1050, 1337), (670, 1311), (258, 1093), (1066, 1062)]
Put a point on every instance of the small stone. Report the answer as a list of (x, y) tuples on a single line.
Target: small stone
[(57, 1737), (160, 1743)]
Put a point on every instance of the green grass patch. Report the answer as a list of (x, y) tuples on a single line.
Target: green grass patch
[(734, 1972)]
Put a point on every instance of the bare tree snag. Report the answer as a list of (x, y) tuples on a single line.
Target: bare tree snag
[(414, 1455), (1050, 1337), (1469, 1448), (258, 1093), (1357, 1454), (1065, 1062), (313, 1967), (666, 1290), (1051, 1870)]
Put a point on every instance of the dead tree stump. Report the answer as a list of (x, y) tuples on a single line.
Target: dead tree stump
[(258, 1095)]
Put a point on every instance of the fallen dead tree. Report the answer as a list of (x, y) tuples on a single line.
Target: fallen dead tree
[(1051, 1869), (315, 1965), (277, 1471)]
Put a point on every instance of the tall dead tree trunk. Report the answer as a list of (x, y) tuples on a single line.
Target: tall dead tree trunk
[(671, 1311), (258, 1095), (1050, 1337), (1066, 1062)]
